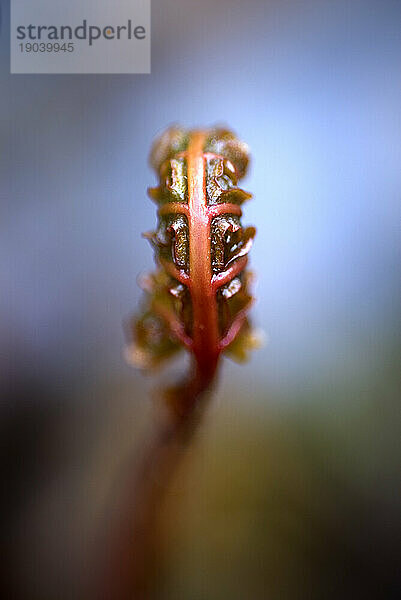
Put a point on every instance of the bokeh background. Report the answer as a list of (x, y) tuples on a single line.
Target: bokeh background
[(291, 489)]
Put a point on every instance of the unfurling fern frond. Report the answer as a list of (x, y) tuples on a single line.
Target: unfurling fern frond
[(198, 298)]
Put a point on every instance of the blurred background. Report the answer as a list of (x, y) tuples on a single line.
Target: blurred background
[(291, 489)]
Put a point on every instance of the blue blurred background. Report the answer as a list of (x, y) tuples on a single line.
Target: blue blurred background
[(292, 490)]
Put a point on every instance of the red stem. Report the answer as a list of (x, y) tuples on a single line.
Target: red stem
[(132, 555), (205, 333)]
